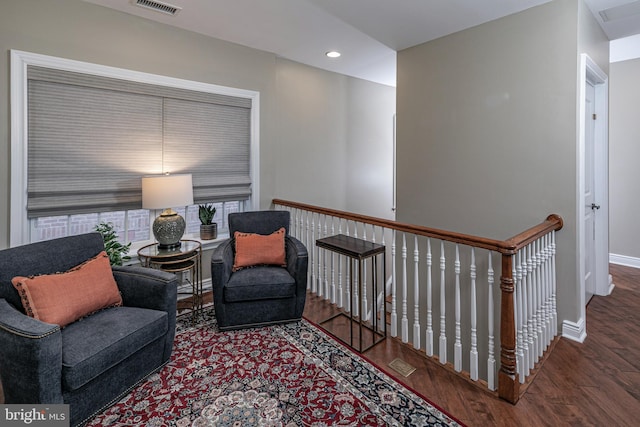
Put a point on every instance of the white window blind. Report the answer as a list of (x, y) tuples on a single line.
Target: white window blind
[(91, 138)]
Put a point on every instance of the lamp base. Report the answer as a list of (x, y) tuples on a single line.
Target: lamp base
[(169, 247), (168, 229)]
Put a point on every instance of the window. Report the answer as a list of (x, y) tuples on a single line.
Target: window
[(131, 226), (92, 131)]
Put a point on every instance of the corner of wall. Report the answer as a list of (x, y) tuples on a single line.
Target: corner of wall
[(575, 331)]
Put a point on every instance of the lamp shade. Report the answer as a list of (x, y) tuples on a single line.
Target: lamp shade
[(166, 191)]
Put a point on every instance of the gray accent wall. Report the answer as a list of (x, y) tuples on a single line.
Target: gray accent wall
[(487, 130), (624, 153), (310, 123), (335, 137), (370, 110)]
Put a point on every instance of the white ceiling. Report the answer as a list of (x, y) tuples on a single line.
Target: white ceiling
[(625, 12), (367, 32)]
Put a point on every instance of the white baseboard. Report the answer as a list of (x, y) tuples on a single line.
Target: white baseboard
[(577, 331), (611, 285), (624, 260), (574, 331)]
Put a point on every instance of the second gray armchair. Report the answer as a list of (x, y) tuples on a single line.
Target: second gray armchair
[(263, 293)]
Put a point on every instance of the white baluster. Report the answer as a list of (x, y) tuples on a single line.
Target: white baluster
[(334, 296), (540, 302), (302, 233), (442, 344), (525, 293), (348, 280), (355, 292), (310, 249), (473, 353), (341, 300), (554, 310), (416, 294), (532, 307), (536, 301), (364, 297), (297, 225), (491, 360), (518, 291), (321, 261), (374, 298), (548, 289), (292, 220), (545, 297), (314, 277), (394, 314), (457, 346), (429, 336), (405, 320), (326, 256), (382, 306)]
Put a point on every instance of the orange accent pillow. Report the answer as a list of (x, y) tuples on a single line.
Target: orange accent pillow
[(63, 298), (257, 249)]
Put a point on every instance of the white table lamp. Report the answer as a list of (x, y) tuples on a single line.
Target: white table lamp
[(166, 192)]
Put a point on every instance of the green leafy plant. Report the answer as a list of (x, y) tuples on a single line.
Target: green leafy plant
[(206, 213), (116, 251)]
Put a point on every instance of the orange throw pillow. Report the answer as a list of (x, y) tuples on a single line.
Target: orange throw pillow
[(257, 249), (63, 298)]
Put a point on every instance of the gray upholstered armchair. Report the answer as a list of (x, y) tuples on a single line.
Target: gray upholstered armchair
[(93, 361), (261, 294)]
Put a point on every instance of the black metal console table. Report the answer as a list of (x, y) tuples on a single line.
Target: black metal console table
[(358, 251)]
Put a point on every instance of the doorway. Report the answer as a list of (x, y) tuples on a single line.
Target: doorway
[(593, 191)]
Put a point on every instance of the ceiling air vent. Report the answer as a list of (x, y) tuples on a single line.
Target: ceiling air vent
[(618, 12), (158, 6)]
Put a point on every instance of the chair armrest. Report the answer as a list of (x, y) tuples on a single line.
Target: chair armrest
[(222, 264), (297, 262), (147, 288), (297, 265), (295, 249), (30, 358)]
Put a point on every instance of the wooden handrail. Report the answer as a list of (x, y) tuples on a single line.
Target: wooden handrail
[(508, 247), (508, 381)]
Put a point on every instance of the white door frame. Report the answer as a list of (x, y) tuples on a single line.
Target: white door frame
[(590, 72)]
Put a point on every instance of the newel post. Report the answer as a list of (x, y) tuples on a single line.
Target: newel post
[(508, 382)]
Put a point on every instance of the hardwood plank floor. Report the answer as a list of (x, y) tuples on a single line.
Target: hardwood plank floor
[(596, 383)]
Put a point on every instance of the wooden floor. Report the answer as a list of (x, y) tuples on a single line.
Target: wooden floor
[(596, 383)]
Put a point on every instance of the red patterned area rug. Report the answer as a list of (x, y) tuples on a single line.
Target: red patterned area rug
[(286, 375)]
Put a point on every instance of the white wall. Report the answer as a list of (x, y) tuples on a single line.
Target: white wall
[(371, 110), (312, 135), (624, 152), (335, 136), (306, 132), (487, 130)]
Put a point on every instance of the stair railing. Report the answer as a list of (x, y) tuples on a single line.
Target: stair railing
[(524, 305)]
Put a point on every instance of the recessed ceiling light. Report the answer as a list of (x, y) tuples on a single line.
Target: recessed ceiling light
[(333, 54)]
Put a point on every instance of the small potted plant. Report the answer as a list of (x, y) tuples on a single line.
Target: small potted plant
[(208, 228), (116, 251)]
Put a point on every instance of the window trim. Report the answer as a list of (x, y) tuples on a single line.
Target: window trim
[(20, 60)]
